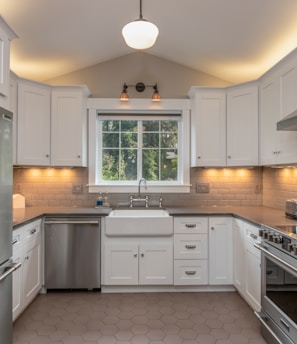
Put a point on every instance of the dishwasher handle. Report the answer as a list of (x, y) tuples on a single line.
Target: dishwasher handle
[(67, 222)]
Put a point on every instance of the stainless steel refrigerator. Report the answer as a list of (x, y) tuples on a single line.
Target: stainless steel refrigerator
[(6, 264)]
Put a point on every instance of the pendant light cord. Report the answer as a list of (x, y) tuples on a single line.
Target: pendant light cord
[(140, 10)]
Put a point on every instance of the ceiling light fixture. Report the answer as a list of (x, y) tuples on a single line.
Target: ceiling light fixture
[(140, 87), (140, 34)]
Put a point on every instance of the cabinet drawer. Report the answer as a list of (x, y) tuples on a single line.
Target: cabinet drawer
[(190, 246), (251, 234), (18, 239), (32, 232), (190, 272), (188, 225)]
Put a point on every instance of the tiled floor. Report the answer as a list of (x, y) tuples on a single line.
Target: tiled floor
[(150, 318)]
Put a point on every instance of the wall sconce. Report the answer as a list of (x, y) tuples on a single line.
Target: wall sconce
[(140, 87)]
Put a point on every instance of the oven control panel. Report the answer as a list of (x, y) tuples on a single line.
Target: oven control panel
[(279, 238)]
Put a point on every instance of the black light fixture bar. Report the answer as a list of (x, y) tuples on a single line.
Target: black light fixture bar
[(140, 87)]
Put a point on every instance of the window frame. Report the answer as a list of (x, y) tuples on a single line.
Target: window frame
[(179, 107)]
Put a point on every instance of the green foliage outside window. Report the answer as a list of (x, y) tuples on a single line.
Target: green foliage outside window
[(152, 142)]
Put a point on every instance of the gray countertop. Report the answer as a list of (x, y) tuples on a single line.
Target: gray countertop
[(255, 214)]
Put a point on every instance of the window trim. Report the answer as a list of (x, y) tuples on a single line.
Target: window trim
[(165, 107)]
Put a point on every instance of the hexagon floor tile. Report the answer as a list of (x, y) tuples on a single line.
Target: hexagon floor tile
[(144, 318)]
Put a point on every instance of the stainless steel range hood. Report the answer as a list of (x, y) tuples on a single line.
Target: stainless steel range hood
[(288, 123)]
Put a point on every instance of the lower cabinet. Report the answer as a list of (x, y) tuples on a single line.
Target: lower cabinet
[(142, 262), (247, 263), (190, 250), (220, 250), (27, 279)]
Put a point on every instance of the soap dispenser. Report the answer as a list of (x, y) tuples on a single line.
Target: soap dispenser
[(99, 201)]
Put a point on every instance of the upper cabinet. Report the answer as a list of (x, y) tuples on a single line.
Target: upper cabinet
[(242, 125), (51, 125), (33, 126), (225, 126), (69, 126), (6, 35), (208, 127), (277, 100)]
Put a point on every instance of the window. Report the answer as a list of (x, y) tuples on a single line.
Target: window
[(130, 149), (125, 146)]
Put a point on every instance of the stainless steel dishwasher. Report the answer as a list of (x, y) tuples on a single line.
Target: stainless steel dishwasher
[(72, 253)]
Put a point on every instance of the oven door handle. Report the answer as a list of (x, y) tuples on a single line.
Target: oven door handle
[(281, 261), (262, 319)]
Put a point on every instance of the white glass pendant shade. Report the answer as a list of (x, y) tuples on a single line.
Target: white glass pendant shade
[(140, 34)]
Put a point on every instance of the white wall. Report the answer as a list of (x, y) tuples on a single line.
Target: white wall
[(105, 80)]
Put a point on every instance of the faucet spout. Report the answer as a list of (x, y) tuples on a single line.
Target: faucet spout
[(142, 180)]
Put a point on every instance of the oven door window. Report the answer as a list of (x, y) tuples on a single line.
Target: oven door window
[(281, 289)]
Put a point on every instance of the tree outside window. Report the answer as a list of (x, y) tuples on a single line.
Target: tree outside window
[(131, 149)]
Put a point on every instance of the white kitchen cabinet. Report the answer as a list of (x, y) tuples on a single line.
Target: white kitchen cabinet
[(220, 251), (238, 255), (138, 262), (13, 107), (33, 126), (121, 264), (17, 298), (277, 100), (208, 119), (190, 250), (242, 125), (51, 125), (6, 36), (27, 279), (69, 126), (269, 103), (252, 267), (156, 263), (247, 264)]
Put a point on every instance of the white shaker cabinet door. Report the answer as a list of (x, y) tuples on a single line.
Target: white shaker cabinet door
[(208, 134), (242, 125), (69, 126), (121, 264), (220, 251), (156, 263), (33, 143)]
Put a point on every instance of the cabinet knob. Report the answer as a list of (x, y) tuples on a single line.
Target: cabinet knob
[(142, 254), (47, 155), (78, 156), (135, 255), (229, 156), (212, 228), (198, 157)]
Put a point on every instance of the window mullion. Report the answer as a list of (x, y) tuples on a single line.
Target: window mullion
[(139, 150)]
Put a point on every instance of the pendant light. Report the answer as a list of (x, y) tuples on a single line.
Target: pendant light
[(140, 34)]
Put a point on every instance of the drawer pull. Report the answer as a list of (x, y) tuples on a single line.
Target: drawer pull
[(14, 241), (191, 272), (191, 225), (33, 231), (253, 236), (190, 247)]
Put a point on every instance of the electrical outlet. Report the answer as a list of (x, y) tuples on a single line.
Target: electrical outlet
[(202, 187), (77, 189)]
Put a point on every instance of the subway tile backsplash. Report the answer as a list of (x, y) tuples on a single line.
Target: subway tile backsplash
[(54, 187), (256, 186)]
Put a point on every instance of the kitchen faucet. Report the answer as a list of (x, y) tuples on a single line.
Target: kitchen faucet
[(138, 197)]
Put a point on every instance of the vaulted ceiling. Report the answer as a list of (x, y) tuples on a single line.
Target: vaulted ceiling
[(235, 40)]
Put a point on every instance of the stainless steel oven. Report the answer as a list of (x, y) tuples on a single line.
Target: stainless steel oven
[(278, 284)]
